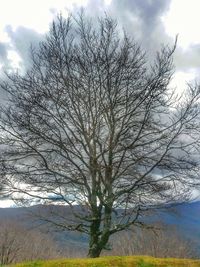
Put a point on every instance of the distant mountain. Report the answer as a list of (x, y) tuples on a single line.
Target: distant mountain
[(185, 216), (28, 218)]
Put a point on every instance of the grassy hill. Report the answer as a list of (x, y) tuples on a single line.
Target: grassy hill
[(130, 261)]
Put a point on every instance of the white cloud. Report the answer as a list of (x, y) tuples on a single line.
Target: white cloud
[(33, 14), (183, 19), (181, 78), (15, 59), (7, 203)]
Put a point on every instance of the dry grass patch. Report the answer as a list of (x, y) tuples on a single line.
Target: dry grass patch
[(129, 261)]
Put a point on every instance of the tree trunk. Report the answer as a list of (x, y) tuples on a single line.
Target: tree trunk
[(94, 251), (98, 241), (94, 247)]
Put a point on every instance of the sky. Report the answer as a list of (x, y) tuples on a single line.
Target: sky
[(150, 22)]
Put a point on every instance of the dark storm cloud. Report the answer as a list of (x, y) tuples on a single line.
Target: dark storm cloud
[(20, 41), (140, 18), (148, 13)]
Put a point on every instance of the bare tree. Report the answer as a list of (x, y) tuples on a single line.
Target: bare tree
[(20, 244), (156, 241), (92, 124)]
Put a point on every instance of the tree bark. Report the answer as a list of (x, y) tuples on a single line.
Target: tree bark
[(100, 237), (94, 252), (94, 248)]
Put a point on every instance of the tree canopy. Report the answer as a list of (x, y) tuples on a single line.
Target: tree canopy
[(93, 124)]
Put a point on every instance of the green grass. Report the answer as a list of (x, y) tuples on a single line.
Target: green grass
[(142, 263), (129, 261)]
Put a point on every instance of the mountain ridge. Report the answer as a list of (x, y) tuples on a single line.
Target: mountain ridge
[(185, 216)]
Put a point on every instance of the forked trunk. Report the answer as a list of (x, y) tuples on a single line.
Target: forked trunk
[(99, 236)]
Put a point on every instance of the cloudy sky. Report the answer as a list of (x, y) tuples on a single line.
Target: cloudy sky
[(150, 22)]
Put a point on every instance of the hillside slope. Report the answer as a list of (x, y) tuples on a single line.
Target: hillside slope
[(185, 216)]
